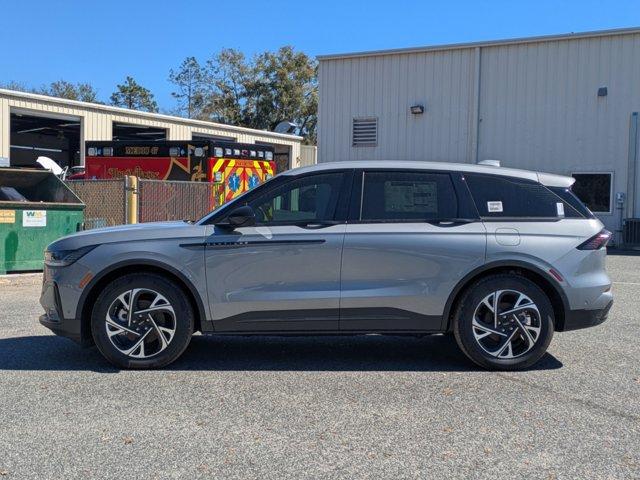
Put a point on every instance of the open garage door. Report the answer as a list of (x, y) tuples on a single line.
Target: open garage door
[(33, 136), (203, 137), (282, 156), (131, 132)]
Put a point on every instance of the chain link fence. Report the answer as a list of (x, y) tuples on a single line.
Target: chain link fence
[(172, 200), (105, 201)]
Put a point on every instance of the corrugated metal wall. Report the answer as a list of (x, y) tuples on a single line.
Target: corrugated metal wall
[(532, 105), (385, 87), (539, 107), (97, 123)]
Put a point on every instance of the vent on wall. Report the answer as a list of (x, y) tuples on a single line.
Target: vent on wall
[(365, 132)]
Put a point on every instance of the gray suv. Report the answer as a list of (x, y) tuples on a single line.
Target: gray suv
[(500, 258)]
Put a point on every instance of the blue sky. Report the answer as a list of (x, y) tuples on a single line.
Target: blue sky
[(101, 42)]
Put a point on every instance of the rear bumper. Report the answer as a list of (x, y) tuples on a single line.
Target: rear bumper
[(577, 319)]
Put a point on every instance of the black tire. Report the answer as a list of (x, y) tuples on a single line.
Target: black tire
[(181, 317), (472, 299)]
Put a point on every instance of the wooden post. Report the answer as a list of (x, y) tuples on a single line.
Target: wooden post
[(131, 192)]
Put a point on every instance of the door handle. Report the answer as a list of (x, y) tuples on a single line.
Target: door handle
[(451, 222), (317, 225)]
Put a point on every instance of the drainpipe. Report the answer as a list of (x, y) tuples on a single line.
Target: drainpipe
[(475, 114), (632, 165)]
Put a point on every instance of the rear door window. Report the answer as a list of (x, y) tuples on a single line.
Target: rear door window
[(394, 196), (506, 197)]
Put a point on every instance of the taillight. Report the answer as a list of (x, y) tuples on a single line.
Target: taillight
[(596, 242)]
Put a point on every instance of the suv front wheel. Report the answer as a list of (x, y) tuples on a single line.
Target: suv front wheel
[(142, 321), (504, 322)]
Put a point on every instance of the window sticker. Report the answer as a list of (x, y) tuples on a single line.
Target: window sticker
[(560, 208), (495, 207), (406, 196)]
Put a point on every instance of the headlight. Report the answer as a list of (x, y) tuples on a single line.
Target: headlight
[(62, 258)]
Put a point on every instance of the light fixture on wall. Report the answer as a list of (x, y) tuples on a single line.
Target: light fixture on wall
[(417, 109), (602, 92)]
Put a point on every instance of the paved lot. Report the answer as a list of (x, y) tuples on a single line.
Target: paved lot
[(365, 407)]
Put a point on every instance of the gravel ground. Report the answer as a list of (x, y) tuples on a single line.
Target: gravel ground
[(364, 407)]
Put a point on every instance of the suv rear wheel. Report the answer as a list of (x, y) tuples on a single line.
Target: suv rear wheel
[(142, 321), (504, 322)]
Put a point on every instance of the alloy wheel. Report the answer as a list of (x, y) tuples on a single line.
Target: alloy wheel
[(140, 323), (506, 324)]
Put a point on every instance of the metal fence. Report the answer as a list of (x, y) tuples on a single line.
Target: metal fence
[(105, 201), (171, 200)]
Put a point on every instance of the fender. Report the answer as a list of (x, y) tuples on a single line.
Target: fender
[(205, 323), (502, 264)]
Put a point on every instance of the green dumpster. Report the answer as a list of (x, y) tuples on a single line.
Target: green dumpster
[(36, 208)]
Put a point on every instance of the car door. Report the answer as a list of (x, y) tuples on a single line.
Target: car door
[(411, 237), (283, 274)]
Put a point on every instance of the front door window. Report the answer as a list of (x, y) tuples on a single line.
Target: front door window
[(307, 200)]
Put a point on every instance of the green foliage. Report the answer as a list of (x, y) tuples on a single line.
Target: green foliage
[(228, 76), (286, 89), (79, 91), (18, 87), (189, 83), (258, 93), (134, 96), (229, 88), (61, 89)]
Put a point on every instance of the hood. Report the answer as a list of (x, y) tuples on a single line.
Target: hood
[(129, 233)]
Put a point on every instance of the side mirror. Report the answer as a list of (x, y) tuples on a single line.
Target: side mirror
[(240, 217)]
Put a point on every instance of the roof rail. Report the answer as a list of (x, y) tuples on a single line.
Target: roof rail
[(489, 162)]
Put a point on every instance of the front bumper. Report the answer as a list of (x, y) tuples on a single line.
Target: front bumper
[(577, 319), (54, 318), (69, 328)]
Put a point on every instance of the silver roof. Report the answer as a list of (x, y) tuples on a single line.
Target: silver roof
[(139, 113), (489, 43), (548, 179)]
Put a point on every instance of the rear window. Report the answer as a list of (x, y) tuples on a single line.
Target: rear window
[(404, 196), (505, 197), (578, 209)]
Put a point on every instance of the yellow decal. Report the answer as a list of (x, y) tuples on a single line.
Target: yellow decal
[(141, 150), (218, 164), (136, 172), (7, 216), (198, 175)]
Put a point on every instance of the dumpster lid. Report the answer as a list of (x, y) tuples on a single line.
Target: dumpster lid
[(49, 164), (35, 188)]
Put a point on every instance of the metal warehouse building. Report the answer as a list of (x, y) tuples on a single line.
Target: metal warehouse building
[(34, 125), (566, 104)]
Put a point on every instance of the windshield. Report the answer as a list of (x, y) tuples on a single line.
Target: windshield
[(236, 201)]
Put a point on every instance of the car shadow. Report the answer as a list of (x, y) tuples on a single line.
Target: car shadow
[(237, 353)]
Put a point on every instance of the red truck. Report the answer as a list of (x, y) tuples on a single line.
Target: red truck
[(234, 167)]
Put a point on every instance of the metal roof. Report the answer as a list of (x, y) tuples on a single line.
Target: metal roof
[(549, 179), (137, 113), (489, 43)]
